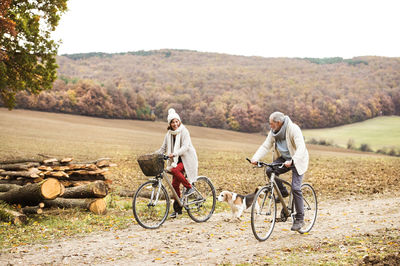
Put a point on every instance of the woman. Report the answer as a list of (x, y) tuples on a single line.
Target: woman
[(178, 146)]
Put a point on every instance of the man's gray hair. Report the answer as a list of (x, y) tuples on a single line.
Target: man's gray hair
[(277, 117)]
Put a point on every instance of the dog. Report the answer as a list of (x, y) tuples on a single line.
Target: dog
[(237, 202)]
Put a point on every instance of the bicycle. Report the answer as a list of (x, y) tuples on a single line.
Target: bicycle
[(151, 202), (264, 211)]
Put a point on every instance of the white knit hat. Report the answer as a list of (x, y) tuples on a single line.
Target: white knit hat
[(172, 114)]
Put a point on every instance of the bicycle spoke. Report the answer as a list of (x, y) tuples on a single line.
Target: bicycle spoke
[(310, 207), (151, 205), (263, 214), (201, 204)]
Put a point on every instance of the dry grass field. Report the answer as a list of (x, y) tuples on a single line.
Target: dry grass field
[(338, 175), (333, 171)]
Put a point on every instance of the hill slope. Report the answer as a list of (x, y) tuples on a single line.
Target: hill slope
[(333, 171), (223, 91), (378, 133)]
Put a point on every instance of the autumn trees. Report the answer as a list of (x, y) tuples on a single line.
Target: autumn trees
[(222, 91), (27, 52)]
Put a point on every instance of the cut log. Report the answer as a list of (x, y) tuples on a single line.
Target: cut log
[(45, 168), (14, 217), (95, 189), (57, 174), (126, 193), (32, 194), (78, 177), (13, 161), (103, 163), (61, 167), (19, 182), (97, 206), (66, 160), (37, 180), (31, 173), (32, 210), (72, 183), (66, 183), (7, 187), (52, 161), (82, 166), (86, 172), (62, 189), (19, 166)]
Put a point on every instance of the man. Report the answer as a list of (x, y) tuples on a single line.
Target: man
[(287, 143)]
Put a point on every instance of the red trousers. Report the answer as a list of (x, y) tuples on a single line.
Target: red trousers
[(179, 178)]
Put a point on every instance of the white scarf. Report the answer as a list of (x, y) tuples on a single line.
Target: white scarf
[(176, 146)]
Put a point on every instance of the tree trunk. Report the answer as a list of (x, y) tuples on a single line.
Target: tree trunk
[(32, 194), (14, 217), (97, 206), (95, 189), (7, 187)]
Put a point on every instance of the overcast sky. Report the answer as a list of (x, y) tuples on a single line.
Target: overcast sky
[(279, 28)]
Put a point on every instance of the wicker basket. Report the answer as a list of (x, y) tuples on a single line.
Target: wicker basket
[(151, 164)]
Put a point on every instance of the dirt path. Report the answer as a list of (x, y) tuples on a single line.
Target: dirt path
[(217, 241)]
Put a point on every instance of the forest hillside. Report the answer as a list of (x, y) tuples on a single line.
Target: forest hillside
[(220, 90)]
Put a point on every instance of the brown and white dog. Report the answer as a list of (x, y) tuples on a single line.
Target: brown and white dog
[(237, 202)]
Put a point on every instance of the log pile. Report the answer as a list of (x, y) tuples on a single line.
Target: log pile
[(63, 183)]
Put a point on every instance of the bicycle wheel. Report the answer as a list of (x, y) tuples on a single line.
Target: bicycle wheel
[(201, 203), (151, 204), (263, 214), (310, 207)]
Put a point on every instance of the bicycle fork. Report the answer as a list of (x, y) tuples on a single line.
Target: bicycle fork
[(157, 196)]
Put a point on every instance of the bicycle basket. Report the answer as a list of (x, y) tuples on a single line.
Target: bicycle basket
[(151, 164)]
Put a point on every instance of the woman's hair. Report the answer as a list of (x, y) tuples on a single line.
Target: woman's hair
[(277, 117), (169, 125)]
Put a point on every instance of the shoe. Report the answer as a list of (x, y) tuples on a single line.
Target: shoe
[(174, 215), (297, 225), (177, 208), (188, 192)]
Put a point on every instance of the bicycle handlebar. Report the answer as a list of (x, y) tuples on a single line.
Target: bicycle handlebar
[(272, 165)]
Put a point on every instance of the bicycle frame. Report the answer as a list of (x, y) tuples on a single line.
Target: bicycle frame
[(174, 195), (278, 192)]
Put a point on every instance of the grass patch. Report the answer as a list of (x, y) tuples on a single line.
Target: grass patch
[(56, 224), (378, 133)]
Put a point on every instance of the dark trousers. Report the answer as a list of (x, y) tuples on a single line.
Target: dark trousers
[(296, 186)]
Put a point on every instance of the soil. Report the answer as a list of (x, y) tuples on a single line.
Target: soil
[(183, 241)]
